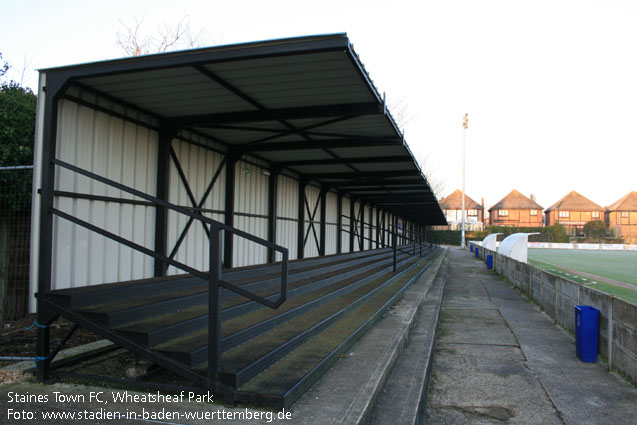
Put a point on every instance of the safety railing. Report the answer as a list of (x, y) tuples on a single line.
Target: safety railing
[(214, 276)]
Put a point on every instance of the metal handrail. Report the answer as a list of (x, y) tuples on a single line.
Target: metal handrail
[(214, 275)]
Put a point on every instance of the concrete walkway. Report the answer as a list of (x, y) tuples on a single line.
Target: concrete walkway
[(498, 359)]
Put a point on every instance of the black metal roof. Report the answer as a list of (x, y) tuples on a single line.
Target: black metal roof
[(306, 104)]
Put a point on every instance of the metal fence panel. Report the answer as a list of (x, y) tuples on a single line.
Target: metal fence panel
[(15, 233)]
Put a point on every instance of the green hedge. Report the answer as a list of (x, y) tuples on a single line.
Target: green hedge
[(554, 233), (445, 237)]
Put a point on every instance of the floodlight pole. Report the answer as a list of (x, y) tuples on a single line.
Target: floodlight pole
[(465, 125)]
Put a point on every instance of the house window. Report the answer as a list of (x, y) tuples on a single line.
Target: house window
[(503, 213), (625, 214), (595, 214), (472, 212), (533, 212), (564, 214)]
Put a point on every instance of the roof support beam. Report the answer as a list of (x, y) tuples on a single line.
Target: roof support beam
[(364, 160), (386, 184), (302, 145), (301, 131), (351, 109), (364, 174)]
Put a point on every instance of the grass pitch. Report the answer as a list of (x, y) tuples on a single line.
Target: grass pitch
[(616, 265)]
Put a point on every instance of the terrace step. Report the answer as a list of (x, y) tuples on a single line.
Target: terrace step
[(331, 301), (156, 330), (192, 349), (147, 305)]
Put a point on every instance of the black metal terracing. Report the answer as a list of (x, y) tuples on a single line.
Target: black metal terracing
[(331, 302)]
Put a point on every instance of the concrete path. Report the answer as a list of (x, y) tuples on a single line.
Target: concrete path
[(498, 359)]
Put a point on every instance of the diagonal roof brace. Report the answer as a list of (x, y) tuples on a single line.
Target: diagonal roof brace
[(351, 109)]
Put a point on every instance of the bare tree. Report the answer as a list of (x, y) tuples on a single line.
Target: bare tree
[(437, 184), (400, 112), (134, 40)]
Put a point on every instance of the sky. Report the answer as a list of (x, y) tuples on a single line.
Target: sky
[(550, 86)]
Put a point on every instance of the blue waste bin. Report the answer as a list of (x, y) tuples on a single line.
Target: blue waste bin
[(489, 261), (476, 251), (471, 247), (586, 333)]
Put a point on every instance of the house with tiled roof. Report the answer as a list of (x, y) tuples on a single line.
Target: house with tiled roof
[(516, 210), (621, 218), (573, 211), (452, 209)]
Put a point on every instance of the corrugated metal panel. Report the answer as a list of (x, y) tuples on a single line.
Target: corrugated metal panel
[(200, 166), (287, 80), (389, 223), (312, 236), (183, 86), (251, 197), (331, 201), (287, 224), (346, 220), (372, 227), (123, 152)]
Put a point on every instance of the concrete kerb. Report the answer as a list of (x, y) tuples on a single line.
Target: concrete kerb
[(347, 393), (404, 397)]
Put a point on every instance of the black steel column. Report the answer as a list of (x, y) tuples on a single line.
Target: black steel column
[(362, 232), (384, 229), (413, 235), (228, 240), (371, 220), (377, 227), (214, 306), (339, 222), (300, 249), (167, 131), (272, 211), (54, 87), (395, 239), (323, 200), (352, 201)]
